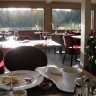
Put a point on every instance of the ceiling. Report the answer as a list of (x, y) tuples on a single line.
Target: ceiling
[(49, 1)]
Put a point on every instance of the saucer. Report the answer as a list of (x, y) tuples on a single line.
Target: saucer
[(60, 85)]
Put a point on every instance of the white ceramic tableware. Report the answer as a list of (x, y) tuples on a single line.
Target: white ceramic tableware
[(22, 84), (69, 76)]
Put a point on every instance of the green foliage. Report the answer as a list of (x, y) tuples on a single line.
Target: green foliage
[(90, 50), (66, 19), (21, 18)]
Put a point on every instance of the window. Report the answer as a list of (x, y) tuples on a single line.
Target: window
[(21, 19), (66, 19), (92, 19)]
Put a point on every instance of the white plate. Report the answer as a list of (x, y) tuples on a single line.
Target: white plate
[(60, 85), (37, 79)]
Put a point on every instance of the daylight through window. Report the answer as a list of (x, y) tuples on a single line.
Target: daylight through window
[(21, 19)]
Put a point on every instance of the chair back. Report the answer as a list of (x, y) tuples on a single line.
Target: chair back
[(1, 62), (24, 38), (68, 41), (70, 47), (25, 58)]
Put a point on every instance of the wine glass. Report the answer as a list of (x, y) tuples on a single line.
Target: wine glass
[(7, 35), (16, 35), (11, 85), (44, 35)]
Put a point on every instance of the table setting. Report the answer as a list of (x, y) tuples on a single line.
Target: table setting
[(70, 79), (58, 76), (19, 80), (44, 79)]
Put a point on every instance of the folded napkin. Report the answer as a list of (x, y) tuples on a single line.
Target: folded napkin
[(54, 71), (51, 72)]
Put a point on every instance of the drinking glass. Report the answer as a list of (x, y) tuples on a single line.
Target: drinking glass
[(9, 91), (7, 35), (11, 84), (16, 35), (49, 38), (44, 35)]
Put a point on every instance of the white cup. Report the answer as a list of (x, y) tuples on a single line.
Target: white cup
[(19, 93), (69, 76)]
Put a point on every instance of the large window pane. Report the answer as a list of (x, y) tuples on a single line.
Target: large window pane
[(66, 19), (21, 19)]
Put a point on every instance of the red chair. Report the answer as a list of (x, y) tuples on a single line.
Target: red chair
[(70, 47), (72, 32), (1, 62), (93, 33), (25, 58)]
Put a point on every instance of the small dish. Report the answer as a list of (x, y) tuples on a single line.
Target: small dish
[(45, 85)]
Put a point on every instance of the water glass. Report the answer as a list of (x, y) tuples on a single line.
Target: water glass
[(16, 35), (7, 35), (49, 38)]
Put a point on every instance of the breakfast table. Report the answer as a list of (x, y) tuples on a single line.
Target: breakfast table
[(52, 91), (49, 89), (49, 84)]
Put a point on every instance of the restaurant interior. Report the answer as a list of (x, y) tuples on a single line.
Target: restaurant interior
[(51, 53)]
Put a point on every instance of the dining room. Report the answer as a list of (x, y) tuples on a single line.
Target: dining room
[(45, 74)]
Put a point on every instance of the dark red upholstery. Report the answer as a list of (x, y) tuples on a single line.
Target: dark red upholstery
[(43, 34), (25, 58), (70, 47), (1, 62), (24, 38), (93, 33), (72, 32)]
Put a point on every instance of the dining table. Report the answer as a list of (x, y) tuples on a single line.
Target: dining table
[(43, 44), (39, 90), (53, 90), (41, 34)]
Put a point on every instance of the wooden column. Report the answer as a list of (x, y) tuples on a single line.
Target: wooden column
[(47, 17), (85, 28)]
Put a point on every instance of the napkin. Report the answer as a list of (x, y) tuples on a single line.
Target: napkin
[(54, 70)]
